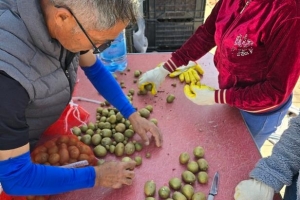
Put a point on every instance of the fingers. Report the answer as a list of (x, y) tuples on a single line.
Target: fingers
[(187, 77), (130, 165), (155, 132), (175, 73), (188, 92), (153, 90), (191, 75), (130, 174), (181, 77), (199, 69), (142, 83), (157, 135), (127, 181), (142, 87), (195, 75), (194, 84), (115, 174), (117, 186), (141, 126), (144, 137)]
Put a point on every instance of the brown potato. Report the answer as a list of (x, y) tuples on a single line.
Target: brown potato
[(62, 139), (84, 148), (50, 143), (53, 149), (39, 149), (62, 146), (83, 157), (64, 156), (54, 158), (41, 157), (72, 141), (73, 152)]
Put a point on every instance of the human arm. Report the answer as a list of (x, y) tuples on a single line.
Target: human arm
[(15, 163), (19, 176), (281, 73), (193, 49), (277, 170), (106, 85), (201, 42), (282, 50)]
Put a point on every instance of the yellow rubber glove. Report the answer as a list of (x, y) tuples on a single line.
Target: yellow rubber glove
[(188, 73), (200, 94), (154, 77), (252, 189)]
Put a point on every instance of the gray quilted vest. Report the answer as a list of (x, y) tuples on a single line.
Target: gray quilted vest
[(39, 63)]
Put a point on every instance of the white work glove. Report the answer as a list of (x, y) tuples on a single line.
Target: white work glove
[(154, 77), (200, 94), (253, 190), (188, 73)]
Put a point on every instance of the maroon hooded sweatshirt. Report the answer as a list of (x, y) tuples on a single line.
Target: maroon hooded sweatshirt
[(257, 54)]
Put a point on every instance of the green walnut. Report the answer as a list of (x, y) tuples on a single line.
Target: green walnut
[(199, 196), (188, 177), (164, 192), (184, 158), (175, 183), (150, 188), (198, 152)]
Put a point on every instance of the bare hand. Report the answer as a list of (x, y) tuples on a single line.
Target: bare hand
[(114, 174), (141, 126)]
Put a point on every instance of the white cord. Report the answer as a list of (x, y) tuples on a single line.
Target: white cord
[(85, 99)]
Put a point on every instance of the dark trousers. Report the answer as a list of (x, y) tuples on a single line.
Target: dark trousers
[(291, 191)]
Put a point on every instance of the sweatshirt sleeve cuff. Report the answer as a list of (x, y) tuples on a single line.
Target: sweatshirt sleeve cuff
[(262, 174), (220, 96), (170, 65)]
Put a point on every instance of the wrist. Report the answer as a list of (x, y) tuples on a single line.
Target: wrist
[(211, 98), (164, 71), (170, 65), (87, 59), (97, 176), (133, 117)]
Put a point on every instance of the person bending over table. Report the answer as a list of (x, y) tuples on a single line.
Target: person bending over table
[(39, 57)]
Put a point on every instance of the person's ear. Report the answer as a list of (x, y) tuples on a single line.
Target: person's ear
[(62, 17)]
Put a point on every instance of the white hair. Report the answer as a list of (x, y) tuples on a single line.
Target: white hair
[(101, 14)]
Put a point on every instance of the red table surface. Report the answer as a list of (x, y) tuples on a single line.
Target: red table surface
[(219, 129)]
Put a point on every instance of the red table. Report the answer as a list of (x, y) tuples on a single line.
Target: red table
[(219, 129)]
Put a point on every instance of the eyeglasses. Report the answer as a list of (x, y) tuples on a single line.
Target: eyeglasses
[(97, 50)]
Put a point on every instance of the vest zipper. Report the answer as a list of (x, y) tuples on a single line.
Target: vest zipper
[(68, 59)]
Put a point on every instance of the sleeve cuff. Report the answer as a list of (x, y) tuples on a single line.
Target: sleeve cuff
[(220, 96), (260, 173), (170, 65)]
